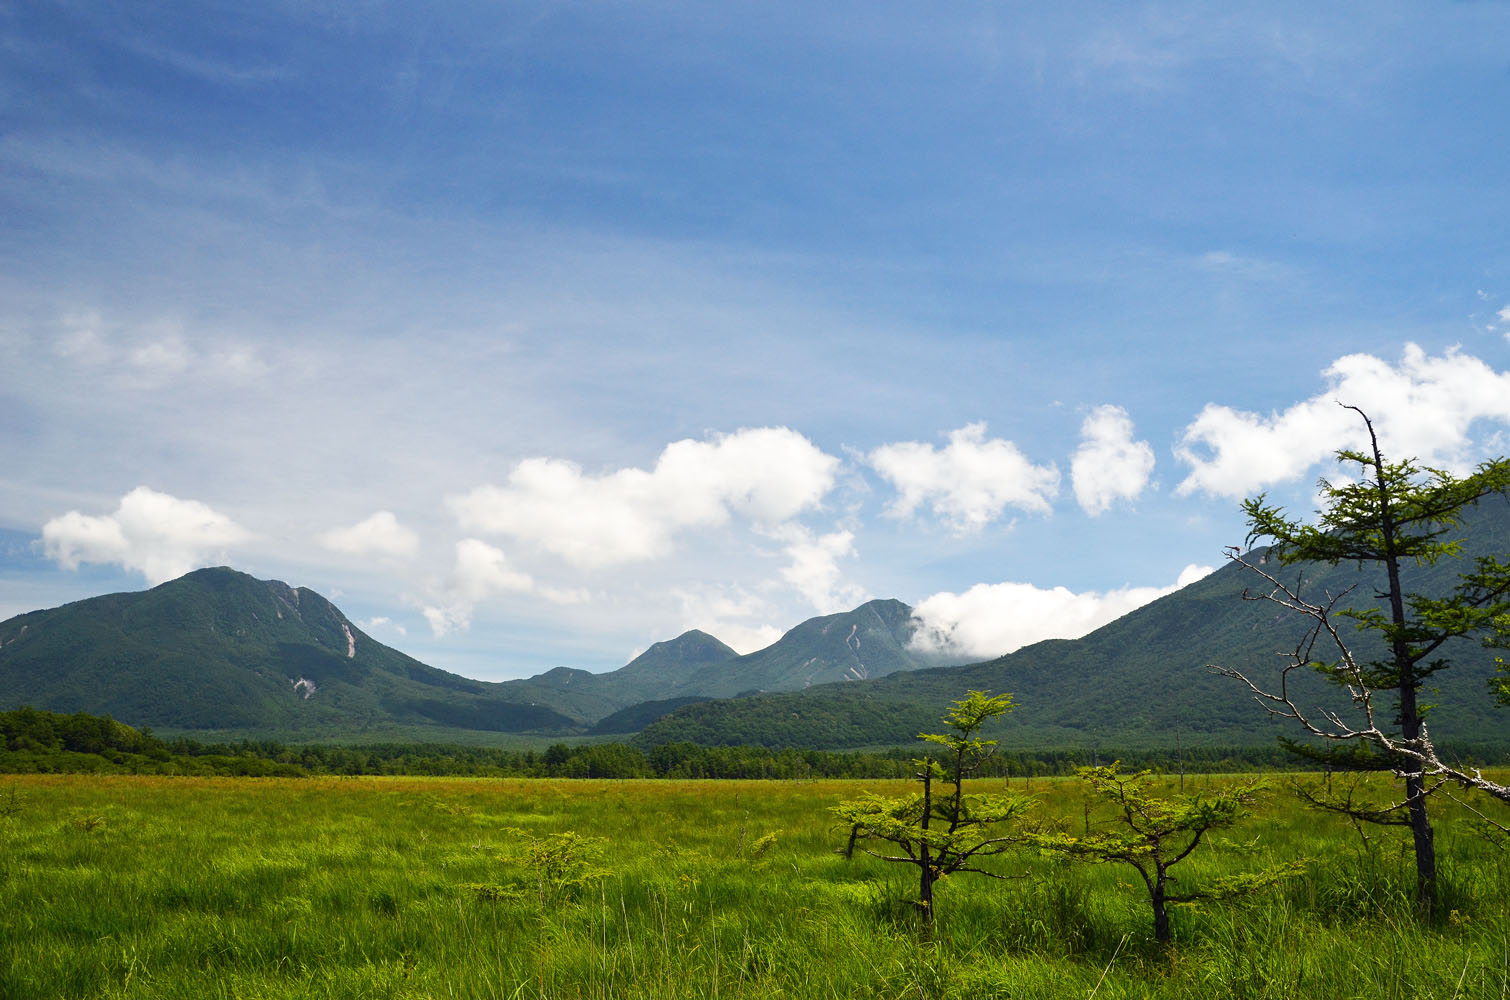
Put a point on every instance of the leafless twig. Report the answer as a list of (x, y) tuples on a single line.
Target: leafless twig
[(1409, 758)]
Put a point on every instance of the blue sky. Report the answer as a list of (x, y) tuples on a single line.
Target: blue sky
[(532, 334)]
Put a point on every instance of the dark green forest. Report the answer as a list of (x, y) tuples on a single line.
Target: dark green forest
[(35, 741)]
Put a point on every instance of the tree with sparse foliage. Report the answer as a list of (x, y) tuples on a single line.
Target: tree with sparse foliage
[(1395, 515), (1154, 834), (942, 830)]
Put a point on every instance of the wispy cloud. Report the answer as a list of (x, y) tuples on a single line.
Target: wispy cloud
[(196, 64), (379, 535), (1237, 265), (150, 353), (849, 237)]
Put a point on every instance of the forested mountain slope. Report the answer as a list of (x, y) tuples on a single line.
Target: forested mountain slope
[(1139, 681), (217, 649)]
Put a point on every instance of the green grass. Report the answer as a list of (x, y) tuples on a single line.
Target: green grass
[(345, 888)]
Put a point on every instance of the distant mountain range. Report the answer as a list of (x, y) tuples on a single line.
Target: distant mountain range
[(219, 651), (1140, 682)]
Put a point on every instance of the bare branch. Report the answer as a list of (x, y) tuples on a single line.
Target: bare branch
[(1466, 805), (1411, 758)]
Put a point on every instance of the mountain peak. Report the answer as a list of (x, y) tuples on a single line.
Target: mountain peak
[(220, 649), (693, 648)]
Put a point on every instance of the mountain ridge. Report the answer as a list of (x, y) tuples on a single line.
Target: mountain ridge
[(218, 650), (1140, 681)]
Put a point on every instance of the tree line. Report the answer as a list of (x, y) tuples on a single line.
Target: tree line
[(33, 740)]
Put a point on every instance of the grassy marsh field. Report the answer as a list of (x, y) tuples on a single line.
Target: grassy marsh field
[(123, 886)]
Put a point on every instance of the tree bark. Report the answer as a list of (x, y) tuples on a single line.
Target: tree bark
[(925, 865), (1410, 713), (1161, 932)]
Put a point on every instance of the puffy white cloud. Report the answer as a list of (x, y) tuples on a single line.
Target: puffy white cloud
[(1423, 408), (1192, 573), (378, 535), (969, 482), (447, 618), (1109, 465), (481, 571), (992, 619), (767, 475), (157, 535), (814, 568)]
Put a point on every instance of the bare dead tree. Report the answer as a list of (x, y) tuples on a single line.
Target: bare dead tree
[(1415, 759)]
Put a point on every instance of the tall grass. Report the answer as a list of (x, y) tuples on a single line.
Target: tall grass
[(346, 888)]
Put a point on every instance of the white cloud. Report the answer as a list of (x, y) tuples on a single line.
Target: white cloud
[(1422, 408), (171, 355), (153, 351), (726, 613), (236, 361), (969, 482), (565, 595), (481, 571), (447, 618), (1192, 573), (157, 535), (814, 568), (1109, 465), (1224, 262), (383, 622), (742, 637), (81, 340), (766, 475), (992, 619), (167, 356), (378, 535)]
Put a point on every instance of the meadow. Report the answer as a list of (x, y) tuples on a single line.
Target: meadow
[(131, 886)]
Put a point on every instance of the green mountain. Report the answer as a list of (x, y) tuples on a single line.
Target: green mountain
[(868, 642), (663, 671), (220, 650), (1138, 682), (636, 717)]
